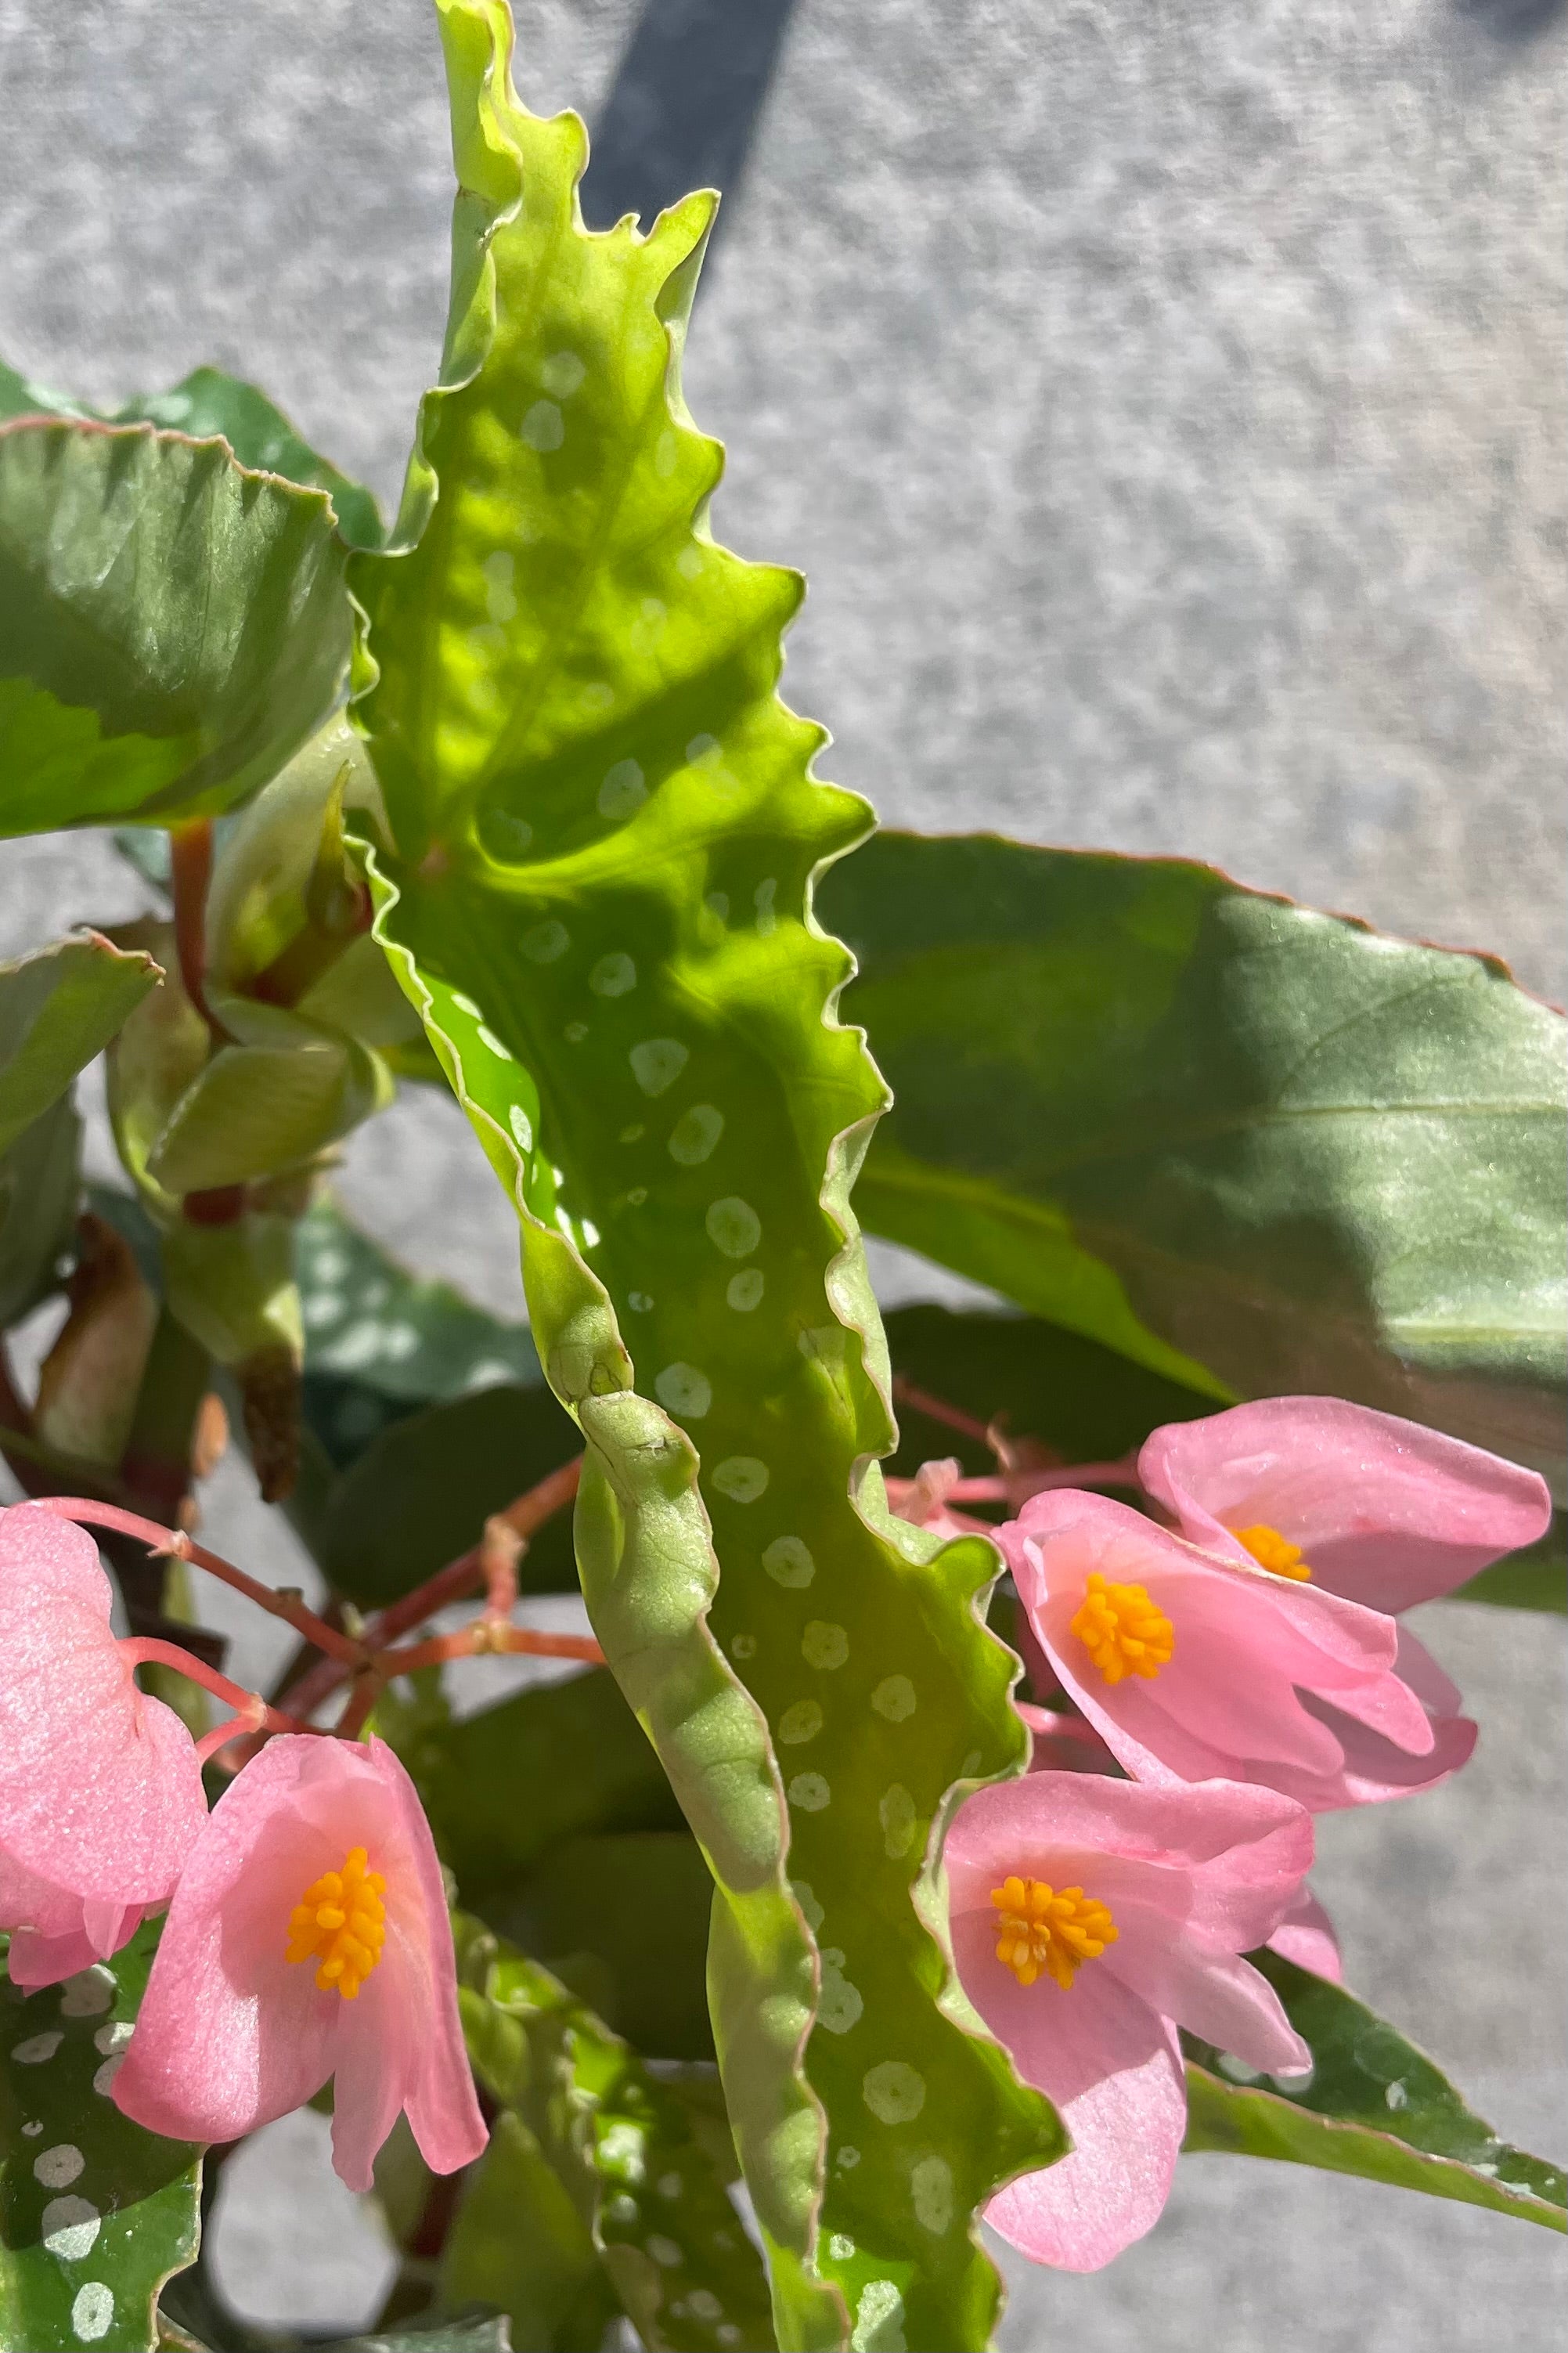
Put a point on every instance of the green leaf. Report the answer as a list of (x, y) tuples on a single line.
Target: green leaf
[(625, 1917), (1317, 1158), (59, 1008), (1086, 1402), (205, 404), (519, 2242), (421, 1492), (574, 1747), (40, 1185), (623, 2144), (606, 840), (1535, 1579), (174, 626), (95, 2214), (1373, 2106), (479, 2333)]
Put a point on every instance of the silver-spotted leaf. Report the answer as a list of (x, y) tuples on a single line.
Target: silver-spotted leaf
[(95, 2214), (605, 837)]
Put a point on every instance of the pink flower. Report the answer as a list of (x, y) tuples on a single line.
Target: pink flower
[(309, 1938), (1306, 1936), (1363, 1504), (1195, 1668), (101, 1789), (1089, 1918)]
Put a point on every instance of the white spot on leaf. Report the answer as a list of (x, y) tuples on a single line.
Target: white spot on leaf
[(562, 374), (521, 1128), (895, 2092), (546, 942), (810, 1792), (896, 1812), (612, 976), (840, 2005), (58, 2166), (665, 2252), (930, 2186), (658, 1062), (37, 2048), (789, 1562), (695, 1134), (879, 2319), (92, 2310), (763, 900), (824, 1645), (682, 1389), (894, 1697), (68, 2227), (744, 1291), (733, 1226), (88, 1995), (543, 427), (487, 1038), (800, 1723), (625, 788), (741, 1477)]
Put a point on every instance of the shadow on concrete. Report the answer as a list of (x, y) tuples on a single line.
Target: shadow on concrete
[(682, 112)]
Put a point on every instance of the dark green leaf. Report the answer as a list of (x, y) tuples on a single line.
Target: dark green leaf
[(624, 1918), (623, 2144), (1085, 1401), (520, 2242), (502, 1786), (40, 1180), (420, 1493), (368, 1320), (95, 2213), (172, 627), (207, 403), (1373, 2106), (1317, 1158), (479, 2333)]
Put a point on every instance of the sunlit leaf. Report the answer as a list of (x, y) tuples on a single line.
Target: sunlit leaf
[(1309, 1157), (604, 840), (1373, 2106)]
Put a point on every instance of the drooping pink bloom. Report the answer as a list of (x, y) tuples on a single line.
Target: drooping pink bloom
[(1361, 1504), (1089, 1918), (308, 1938), (1196, 1668), (100, 1789), (1306, 1936)]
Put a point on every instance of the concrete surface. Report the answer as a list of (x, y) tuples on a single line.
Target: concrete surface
[(1166, 406)]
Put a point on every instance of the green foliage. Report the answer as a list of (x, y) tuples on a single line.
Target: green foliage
[(59, 1008), (1373, 2106), (205, 404), (173, 625), (597, 893), (621, 2145), (1317, 1158), (95, 2213), (1535, 1579)]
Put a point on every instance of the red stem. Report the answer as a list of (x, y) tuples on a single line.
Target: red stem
[(462, 1575), (183, 1547), (252, 1711), (190, 866), (479, 1640), (938, 1410)]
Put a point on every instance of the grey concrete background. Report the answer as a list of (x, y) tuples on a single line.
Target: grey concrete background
[(1167, 408)]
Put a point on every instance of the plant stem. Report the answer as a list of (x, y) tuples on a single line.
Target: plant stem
[(326, 1637), (190, 866), (460, 1577), (482, 1637), (938, 1410), (251, 1710)]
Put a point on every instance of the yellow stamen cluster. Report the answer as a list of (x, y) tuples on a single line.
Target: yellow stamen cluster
[(1270, 1550), (1123, 1631), (1051, 1928), (341, 1918)]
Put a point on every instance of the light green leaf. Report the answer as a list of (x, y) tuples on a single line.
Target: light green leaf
[(207, 403), (1373, 2106), (606, 840), (600, 895), (623, 2144), (173, 626), (59, 1008), (1318, 1160), (95, 2214)]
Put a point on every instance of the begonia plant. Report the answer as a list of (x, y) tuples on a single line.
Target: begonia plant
[(915, 1833)]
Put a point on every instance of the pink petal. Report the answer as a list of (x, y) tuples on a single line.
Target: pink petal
[(1212, 1992), (232, 2033), (1384, 1510), (1306, 1936), (1113, 2070), (101, 1790), (1432, 1685)]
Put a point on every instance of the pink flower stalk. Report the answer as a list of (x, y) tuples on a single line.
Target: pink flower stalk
[(1089, 1918), (1194, 1668), (308, 1938), (100, 1787), (1361, 1504)]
